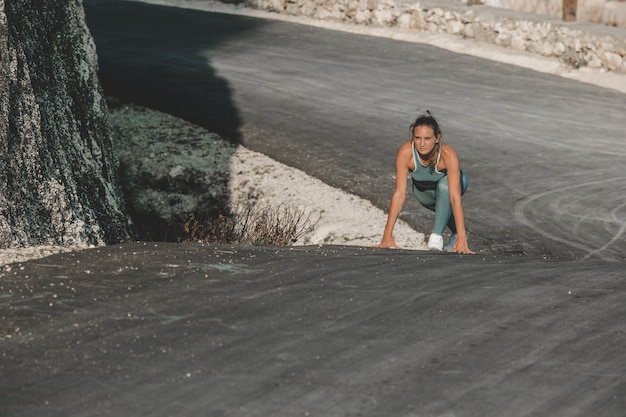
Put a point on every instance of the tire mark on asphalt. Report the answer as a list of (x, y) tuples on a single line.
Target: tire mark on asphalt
[(618, 235), (522, 205)]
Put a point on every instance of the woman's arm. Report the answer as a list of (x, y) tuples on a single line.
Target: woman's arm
[(451, 161), (398, 197)]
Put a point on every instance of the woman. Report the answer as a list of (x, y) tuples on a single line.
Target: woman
[(438, 184)]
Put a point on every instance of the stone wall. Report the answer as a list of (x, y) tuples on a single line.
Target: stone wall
[(607, 12), (572, 43), (58, 170)]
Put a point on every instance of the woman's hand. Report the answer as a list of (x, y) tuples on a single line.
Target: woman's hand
[(387, 243), (461, 246)]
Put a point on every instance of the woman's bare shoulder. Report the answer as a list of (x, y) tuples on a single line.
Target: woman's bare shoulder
[(448, 151), (404, 157), (449, 158), (405, 148)]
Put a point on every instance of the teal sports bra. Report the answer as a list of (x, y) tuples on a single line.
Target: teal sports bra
[(423, 177)]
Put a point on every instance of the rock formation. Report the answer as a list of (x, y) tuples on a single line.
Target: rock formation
[(58, 169), (169, 169)]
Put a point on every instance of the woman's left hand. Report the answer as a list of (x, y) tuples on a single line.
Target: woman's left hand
[(461, 246)]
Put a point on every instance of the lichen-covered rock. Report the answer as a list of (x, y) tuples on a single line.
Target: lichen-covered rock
[(58, 169), (169, 169)]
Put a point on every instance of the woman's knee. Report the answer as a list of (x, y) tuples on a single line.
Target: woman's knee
[(464, 182), (442, 187)]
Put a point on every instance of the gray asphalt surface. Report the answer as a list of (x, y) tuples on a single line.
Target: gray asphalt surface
[(193, 330), (531, 326), (544, 154)]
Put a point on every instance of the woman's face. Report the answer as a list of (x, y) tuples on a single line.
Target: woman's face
[(424, 139)]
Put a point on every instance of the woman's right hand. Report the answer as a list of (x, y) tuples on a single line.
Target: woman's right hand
[(387, 244)]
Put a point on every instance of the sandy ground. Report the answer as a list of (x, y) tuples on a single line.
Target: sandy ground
[(344, 219), (17, 255)]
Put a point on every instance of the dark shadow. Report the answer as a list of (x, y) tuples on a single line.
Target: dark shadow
[(159, 57)]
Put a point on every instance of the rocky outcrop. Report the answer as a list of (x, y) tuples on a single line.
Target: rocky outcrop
[(58, 169), (169, 169), (569, 42)]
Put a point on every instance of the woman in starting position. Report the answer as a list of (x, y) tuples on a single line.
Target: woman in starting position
[(438, 184)]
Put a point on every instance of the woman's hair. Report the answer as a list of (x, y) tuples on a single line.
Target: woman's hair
[(427, 119)]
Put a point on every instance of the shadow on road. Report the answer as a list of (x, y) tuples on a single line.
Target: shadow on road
[(159, 58), (174, 43)]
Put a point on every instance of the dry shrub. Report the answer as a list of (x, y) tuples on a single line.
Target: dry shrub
[(280, 226)]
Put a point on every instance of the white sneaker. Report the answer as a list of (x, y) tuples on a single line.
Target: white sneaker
[(435, 242)]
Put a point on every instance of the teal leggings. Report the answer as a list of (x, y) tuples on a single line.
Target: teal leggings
[(439, 201)]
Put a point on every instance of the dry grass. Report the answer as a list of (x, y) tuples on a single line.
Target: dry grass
[(280, 226)]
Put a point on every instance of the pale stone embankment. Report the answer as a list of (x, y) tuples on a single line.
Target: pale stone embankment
[(575, 43), (604, 12)]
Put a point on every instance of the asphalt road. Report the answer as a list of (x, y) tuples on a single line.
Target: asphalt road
[(193, 330), (544, 154), (531, 326)]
